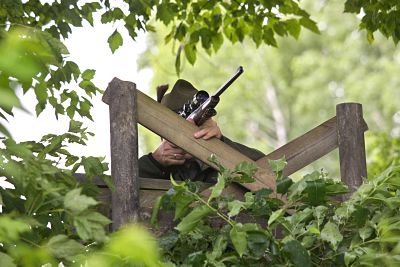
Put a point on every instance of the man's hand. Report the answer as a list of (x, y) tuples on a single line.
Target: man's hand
[(208, 130), (168, 154)]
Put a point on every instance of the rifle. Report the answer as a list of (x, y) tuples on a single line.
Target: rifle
[(202, 106)]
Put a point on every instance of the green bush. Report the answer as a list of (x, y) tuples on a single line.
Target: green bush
[(306, 226)]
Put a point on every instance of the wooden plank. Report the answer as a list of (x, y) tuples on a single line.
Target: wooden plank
[(351, 126), (148, 197), (307, 148), (121, 98), (177, 130), (145, 183), (156, 184)]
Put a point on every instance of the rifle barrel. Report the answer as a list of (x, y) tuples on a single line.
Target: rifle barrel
[(222, 89)]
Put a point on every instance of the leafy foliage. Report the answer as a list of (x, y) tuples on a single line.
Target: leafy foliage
[(382, 16), (49, 208), (383, 151), (309, 228)]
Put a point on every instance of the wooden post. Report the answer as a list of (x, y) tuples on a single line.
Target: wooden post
[(351, 127), (121, 98)]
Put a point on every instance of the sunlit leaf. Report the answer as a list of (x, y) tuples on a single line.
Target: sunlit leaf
[(115, 41), (193, 218), (331, 234), (239, 239), (76, 202)]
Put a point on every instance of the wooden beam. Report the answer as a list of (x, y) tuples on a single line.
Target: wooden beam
[(307, 148), (121, 99), (177, 130), (351, 127)]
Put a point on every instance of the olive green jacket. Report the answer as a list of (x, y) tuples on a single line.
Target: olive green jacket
[(193, 170)]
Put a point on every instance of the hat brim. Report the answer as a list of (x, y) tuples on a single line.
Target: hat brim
[(182, 92)]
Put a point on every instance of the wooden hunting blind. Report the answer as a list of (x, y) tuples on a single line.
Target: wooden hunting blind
[(134, 196)]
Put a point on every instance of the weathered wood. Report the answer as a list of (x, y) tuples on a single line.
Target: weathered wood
[(145, 183), (156, 184), (351, 127), (307, 148), (177, 130), (121, 98), (148, 197)]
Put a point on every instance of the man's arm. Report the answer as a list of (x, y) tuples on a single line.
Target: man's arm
[(150, 168)]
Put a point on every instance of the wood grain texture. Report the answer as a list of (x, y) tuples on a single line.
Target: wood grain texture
[(177, 130), (351, 127), (121, 98), (307, 148)]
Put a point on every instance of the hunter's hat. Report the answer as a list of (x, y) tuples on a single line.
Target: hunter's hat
[(182, 92)]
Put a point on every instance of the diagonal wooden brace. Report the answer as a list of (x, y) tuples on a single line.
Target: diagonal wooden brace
[(177, 130)]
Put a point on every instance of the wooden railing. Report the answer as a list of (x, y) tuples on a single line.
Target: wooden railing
[(129, 106)]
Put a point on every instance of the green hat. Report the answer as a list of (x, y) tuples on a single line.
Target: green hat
[(182, 92)]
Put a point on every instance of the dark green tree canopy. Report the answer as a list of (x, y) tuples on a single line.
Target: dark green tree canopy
[(192, 24)]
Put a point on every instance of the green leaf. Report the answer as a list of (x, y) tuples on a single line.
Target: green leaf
[(309, 24), (155, 210), (275, 215), (9, 99), (134, 246), (76, 203), (294, 28), (213, 159), (115, 41), (55, 144), (258, 242), (63, 247), (167, 241), (217, 188), (360, 216), (164, 13), (6, 260), (182, 201), (370, 37), (190, 53), (331, 234), (315, 192), (4, 130), (108, 181), (217, 41), (246, 172), (219, 246), (365, 232), (178, 60), (93, 166), (335, 187), (235, 207), (75, 126), (297, 253), (277, 165), (41, 93), (239, 239), (193, 218), (10, 228), (90, 226), (282, 185), (88, 74)]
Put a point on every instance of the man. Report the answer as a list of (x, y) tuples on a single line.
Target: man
[(168, 159)]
